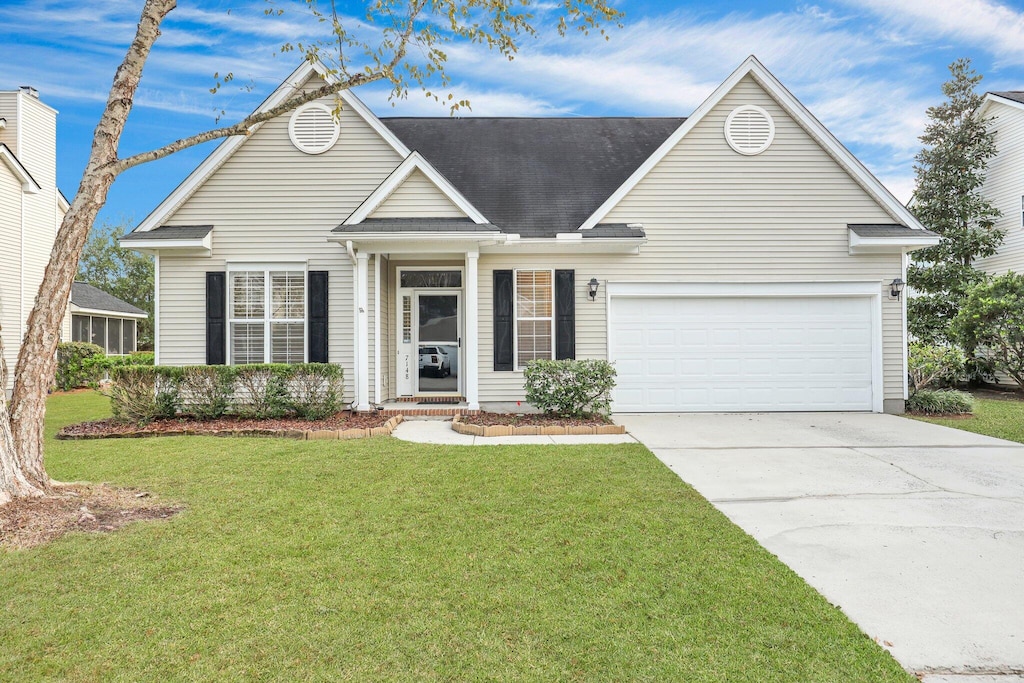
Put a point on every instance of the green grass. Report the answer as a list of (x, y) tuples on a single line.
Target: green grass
[(383, 560), (1002, 418)]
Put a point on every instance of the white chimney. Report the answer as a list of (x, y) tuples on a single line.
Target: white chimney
[(29, 90)]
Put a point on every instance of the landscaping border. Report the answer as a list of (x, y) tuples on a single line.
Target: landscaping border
[(533, 430), (297, 434)]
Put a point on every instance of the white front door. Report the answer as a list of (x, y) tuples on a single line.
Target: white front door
[(429, 332), (438, 334)]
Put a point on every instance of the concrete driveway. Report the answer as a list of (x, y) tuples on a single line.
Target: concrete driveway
[(916, 531)]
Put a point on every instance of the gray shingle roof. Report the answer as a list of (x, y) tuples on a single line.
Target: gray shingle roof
[(171, 232), (602, 230), (1015, 95), (416, 225), (887, 230), (535, 176), (87, 296)]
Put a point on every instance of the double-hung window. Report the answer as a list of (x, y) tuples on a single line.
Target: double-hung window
[(535, 305), (268, 316)]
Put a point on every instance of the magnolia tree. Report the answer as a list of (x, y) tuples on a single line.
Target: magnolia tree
[(399, 42), (948, 199)]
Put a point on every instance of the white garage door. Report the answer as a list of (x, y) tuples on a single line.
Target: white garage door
[(741, 354)]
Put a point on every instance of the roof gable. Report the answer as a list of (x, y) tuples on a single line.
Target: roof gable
[(421, 182), (752, 68), (229, 146)]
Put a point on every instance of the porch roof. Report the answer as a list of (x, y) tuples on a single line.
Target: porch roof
[(416, 225)]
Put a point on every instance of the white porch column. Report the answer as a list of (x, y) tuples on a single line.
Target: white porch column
[(362, 332), (472, 369)]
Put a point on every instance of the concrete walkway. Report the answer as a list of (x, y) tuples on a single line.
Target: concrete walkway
[(440, 432), (916, 531)]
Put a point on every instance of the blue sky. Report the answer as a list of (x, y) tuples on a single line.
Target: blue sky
[(868, 69)]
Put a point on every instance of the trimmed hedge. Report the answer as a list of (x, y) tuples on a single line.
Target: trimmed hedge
[(141, 393), (571, 388), (75, 367), (943, 401)]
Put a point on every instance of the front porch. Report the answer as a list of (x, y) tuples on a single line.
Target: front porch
[(415, 314)]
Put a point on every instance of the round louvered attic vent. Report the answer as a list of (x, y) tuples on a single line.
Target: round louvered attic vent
[(313, 129), (749, 129)]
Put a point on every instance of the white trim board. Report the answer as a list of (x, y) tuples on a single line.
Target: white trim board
[(28, 183), (991, 98), (229, 146), (751, 66), (100, 313), (413, 162)]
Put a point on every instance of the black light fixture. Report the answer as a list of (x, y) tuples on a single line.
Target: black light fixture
[(593, 284), (896, 288)]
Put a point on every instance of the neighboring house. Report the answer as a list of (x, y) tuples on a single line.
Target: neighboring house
[(737, 260), (1004, 178), (31, 209), (104, 320)]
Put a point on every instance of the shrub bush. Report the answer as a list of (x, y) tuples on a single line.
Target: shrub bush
[(572, 388), (73, 370), (141, 393), (315, 389), (206, 391), (930, 365), (991, 320), (261, 391), (947, 401), (133, 394)]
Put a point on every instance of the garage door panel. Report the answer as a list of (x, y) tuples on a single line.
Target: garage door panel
[(742, 354)]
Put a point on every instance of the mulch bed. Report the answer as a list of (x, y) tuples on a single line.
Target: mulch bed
[(29, 522), (944, 416), (532, 420), (109, 427)]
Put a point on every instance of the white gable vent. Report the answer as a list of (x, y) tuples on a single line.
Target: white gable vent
[(313, 129), (749, 129)]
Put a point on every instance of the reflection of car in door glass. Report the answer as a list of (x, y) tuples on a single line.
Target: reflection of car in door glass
[(434, 361)]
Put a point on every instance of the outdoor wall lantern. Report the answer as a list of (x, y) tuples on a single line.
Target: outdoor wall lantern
[(593, 285), (896, 288)]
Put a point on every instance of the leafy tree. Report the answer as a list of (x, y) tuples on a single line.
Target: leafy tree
[(400, 42), (125, 273), (950, 172), (992, 320)]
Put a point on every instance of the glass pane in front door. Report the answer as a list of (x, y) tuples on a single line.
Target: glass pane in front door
[(438, 339)]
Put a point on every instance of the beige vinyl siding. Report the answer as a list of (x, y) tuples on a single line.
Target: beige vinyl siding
[(9, 111), (270, 203), (38, 152), (712, 216), (10, 268), (28, 221), (1004, 187), (417, 197)]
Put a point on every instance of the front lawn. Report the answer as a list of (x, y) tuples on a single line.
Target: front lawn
[(999, 417), (384, 560)]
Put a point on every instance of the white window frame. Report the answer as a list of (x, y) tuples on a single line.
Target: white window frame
[(1022, 211), (516, 318), (267, 269)]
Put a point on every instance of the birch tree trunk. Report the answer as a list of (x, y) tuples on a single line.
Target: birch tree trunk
[(21, 431)]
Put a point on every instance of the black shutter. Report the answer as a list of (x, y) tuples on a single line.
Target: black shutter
[(317, 316), (565, 314), (503, 322), (216, 323)]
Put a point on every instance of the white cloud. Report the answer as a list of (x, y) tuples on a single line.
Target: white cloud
[(992, 26)]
